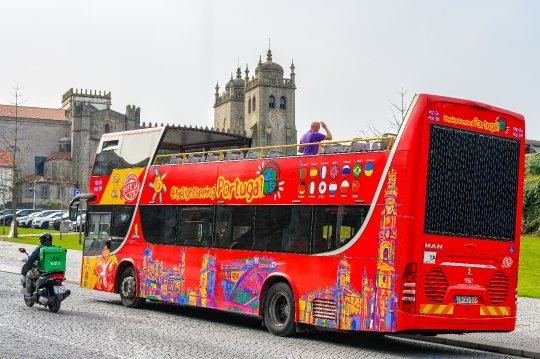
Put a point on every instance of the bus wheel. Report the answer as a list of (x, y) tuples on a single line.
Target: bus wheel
[(279, 310), (128, 289)]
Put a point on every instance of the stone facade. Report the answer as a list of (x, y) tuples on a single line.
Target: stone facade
[(56, 147), (90, 116), (262, 107)]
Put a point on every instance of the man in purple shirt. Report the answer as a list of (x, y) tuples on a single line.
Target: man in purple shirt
[(312, 136)]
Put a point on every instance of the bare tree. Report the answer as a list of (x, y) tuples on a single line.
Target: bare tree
[(11, 134), (398, 113)]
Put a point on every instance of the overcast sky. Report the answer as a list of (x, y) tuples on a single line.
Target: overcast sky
[(350, 56)]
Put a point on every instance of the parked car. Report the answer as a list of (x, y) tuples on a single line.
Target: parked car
[(27, 221), (74, 225), (55, 224), (43, 222), (8, 218), (5, 212)]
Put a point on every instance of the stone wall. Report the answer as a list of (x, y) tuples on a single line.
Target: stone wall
[(36, 137)]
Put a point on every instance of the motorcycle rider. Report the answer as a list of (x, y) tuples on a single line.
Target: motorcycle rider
[(28, 268)]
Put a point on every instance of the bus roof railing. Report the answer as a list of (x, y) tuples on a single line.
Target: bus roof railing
[(262, 150)]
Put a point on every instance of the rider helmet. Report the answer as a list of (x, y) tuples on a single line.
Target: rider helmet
[(45, 239)]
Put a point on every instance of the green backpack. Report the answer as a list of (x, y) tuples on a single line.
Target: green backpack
[(52, 258)]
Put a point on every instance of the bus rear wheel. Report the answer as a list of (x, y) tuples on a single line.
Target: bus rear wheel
[(128, 289), (279, 309)]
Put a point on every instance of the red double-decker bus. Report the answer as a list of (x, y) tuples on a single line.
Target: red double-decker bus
[(413, 232)]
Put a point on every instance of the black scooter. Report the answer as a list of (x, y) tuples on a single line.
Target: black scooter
[(48, 289)]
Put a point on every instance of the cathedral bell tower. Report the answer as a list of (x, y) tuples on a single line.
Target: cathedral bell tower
[(263, 106)]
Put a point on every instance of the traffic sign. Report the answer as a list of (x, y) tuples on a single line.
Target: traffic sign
[(76, 192)]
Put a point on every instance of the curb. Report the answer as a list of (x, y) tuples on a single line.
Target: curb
[(515, 350)]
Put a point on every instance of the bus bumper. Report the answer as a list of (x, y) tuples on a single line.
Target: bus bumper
[(441, 324)]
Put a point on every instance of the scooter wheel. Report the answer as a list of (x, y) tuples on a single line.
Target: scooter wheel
[(29, 302), (55, 305)]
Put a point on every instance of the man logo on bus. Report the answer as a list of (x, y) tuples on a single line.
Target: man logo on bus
[(130, 188)]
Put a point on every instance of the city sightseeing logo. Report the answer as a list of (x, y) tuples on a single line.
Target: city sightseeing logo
[(499, 125), (130, 188), (158, 186)]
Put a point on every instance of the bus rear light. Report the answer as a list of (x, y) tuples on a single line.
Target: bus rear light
[(408, 298)]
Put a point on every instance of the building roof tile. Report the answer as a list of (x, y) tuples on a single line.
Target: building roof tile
[(33, 112), (6, 159), (59, 156)]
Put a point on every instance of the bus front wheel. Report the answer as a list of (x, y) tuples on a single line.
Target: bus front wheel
[(279, 309), (128, 289)]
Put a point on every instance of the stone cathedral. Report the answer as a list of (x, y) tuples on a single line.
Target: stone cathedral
[(262, 106)]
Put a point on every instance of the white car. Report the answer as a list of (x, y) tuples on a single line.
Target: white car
[(43, 222), (27, 220)]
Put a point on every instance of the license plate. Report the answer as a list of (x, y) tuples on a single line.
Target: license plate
[(60, 289), (465, 299)]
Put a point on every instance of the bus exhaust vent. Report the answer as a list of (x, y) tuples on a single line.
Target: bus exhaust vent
[(435, 285), (472, 184), (324, 308), (498, 288)]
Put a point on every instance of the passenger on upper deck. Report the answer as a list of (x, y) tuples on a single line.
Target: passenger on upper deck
[(312, 136)]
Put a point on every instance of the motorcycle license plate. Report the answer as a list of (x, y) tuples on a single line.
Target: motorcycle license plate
[(465, 299), (60, 289)]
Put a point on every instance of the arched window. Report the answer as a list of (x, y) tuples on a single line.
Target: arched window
[(254, 104), (249, 106), (282, 102), (271, 101), (107, 128), (241, 123)]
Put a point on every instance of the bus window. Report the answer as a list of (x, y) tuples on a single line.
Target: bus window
[(234, 227), (158, 224), (195, 226), (120, 224), (334, 226), (98, 236), (105, 163), (282, 229), (299, 231)]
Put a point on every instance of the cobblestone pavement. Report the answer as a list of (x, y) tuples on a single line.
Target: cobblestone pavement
[(95, 325), (92, 324)]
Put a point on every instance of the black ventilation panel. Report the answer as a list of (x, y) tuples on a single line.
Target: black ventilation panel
[(471, 185)]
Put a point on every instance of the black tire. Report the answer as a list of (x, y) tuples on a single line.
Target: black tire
[(55, 305), (128, 289), (45, 225), (8, 222), (279, 308), (29, 302)]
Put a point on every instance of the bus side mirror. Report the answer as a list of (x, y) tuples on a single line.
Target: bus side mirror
[(73, 210)]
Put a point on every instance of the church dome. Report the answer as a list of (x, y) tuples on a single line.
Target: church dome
[(269, 68), (238, 82)]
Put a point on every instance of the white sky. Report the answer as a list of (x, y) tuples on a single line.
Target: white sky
[(350, 56)]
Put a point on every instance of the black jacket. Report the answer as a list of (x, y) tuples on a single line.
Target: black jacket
[(30, 263)]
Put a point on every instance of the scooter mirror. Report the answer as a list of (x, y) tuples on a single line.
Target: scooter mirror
[(22, 250)]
